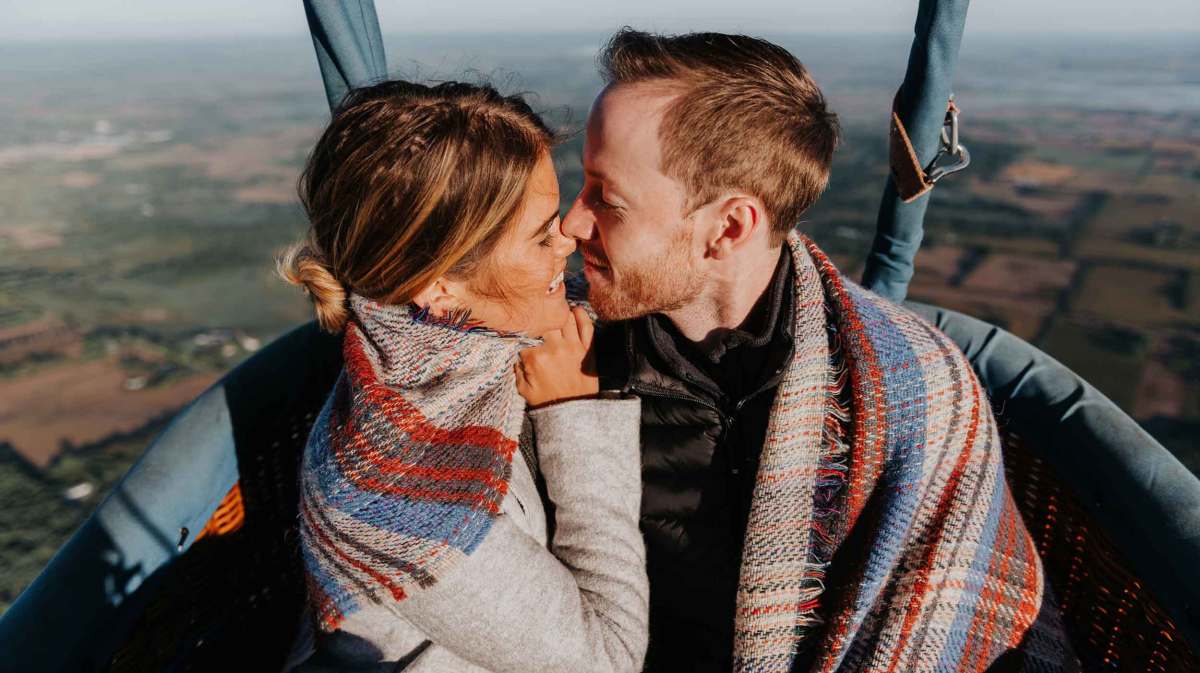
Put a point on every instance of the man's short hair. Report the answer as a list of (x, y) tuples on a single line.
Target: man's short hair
[(747, 116)]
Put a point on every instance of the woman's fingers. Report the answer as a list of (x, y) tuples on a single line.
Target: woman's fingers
[(562, 367), (584, 325), (522, 384), (570, 330)]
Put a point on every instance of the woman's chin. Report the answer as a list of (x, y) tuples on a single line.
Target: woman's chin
[(555, 317)]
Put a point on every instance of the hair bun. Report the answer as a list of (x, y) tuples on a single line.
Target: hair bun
[(303, 265)]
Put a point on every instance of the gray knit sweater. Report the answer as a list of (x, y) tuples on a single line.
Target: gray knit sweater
[(521, 602)]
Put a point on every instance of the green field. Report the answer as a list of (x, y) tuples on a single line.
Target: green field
[(143, 197)]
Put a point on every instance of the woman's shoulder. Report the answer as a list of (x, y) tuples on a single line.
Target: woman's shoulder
[(390, 507)]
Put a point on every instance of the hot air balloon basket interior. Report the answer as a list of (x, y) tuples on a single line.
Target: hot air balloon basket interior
[(233, 601), (236, 595), (1114, 624)]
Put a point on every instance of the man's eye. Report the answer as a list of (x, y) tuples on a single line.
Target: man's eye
[(599, 201)]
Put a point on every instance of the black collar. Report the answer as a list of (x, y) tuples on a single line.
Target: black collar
[(659, 359), (756, 331)]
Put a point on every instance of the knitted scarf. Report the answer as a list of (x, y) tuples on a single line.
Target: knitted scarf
[(410, 458), (936, 570)]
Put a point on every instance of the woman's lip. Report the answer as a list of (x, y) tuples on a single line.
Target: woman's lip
[(558, 282)]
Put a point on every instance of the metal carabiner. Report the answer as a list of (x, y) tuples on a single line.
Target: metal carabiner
[(950, 146)]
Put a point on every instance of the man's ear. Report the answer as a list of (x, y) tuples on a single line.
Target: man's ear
[(440, 297), (739, 219)]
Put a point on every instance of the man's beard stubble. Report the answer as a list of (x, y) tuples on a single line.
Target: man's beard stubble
[(652, 284)]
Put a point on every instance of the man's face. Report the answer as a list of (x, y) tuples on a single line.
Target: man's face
[(640, 252)]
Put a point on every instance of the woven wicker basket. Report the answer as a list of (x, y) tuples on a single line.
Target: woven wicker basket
[(239, 588)]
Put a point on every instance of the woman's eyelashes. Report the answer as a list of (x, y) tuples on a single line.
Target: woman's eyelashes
[(548, 238)]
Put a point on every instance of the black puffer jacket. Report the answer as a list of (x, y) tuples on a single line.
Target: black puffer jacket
[(704, 418)]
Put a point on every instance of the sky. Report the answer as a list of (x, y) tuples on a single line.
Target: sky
[(42, 20)]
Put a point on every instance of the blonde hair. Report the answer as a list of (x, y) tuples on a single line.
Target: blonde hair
[(410, 183)]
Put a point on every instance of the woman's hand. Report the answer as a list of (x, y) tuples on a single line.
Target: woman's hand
[(563, 367)]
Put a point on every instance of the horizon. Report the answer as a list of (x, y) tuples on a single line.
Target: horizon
[(1041, 69), (132, 19), (388, 37)]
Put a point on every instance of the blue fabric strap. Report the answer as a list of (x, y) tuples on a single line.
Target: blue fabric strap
[(921, 106), (349, 46)]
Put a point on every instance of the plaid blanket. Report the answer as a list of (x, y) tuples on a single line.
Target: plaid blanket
[(408, 462), (935, 569)]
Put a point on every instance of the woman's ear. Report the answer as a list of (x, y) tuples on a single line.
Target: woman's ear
[(441, 297)]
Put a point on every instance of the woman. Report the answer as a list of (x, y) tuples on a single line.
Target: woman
[(435, 246)]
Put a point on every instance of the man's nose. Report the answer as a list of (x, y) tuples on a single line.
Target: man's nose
[(564, 245), (579, 223)]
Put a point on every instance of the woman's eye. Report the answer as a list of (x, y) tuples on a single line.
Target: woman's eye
[(548, 239)]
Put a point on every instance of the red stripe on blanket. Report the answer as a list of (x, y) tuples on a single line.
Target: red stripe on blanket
[(866, 456), (941, 516), (397, 592), (404, 414), (351, 444), (489, 497)]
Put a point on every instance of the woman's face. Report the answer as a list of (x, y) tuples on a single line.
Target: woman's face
[(520, 287)]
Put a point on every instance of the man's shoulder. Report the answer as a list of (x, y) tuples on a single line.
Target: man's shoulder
[(895, 330)]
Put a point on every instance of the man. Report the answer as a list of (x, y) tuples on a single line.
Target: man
[(822, 475)]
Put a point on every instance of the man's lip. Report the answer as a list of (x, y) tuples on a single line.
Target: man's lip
[(593, 263)]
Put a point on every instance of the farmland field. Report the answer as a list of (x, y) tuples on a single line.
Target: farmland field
[(145, 187)]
